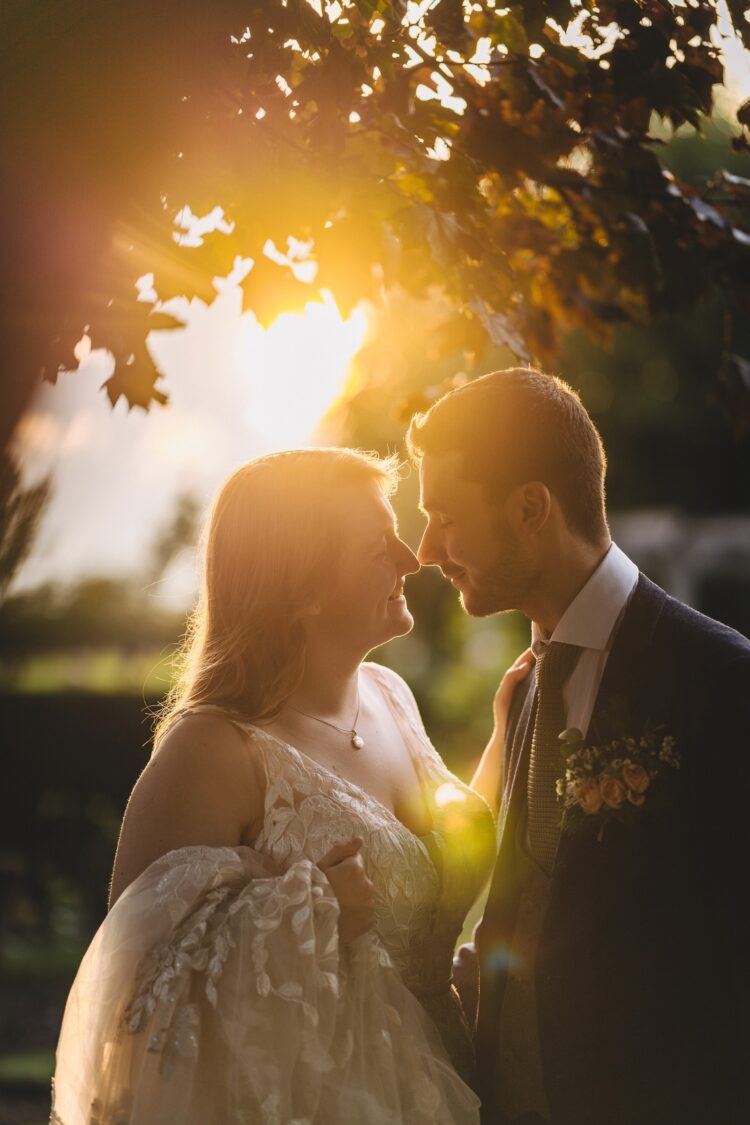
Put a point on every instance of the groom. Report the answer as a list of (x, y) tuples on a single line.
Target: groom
[(614, 952)]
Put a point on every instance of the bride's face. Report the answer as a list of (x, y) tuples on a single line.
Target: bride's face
[(366, 605)]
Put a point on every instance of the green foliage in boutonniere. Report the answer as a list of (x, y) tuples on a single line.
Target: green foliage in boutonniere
[(613, 780)]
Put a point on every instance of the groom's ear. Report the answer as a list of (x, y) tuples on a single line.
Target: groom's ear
[(529, 507)]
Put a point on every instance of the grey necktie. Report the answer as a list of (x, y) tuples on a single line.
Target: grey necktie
[(554, 666)]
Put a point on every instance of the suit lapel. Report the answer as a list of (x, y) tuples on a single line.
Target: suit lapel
[(620, 694), (620, 674), (625, 665), (619, 682)]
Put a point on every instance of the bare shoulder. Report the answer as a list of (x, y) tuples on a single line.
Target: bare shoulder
[(392, 682), (206, 759), (205, 740), (203, 785)]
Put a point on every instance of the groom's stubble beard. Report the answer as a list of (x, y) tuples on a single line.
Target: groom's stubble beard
[(504, 585)]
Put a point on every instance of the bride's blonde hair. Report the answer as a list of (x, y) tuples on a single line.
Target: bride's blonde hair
[(272, 544)]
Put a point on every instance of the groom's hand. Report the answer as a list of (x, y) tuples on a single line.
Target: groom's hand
[(345, 871)]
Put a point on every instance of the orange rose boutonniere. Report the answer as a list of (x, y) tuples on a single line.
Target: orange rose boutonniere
[(611, 781)]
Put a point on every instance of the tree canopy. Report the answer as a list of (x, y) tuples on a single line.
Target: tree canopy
[(501, 156)]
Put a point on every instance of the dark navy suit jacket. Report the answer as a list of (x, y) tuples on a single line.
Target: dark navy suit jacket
[(643, 967)]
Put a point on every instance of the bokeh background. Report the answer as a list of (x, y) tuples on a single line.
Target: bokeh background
[(103, 509)]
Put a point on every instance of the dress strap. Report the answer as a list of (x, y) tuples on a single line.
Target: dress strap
[(401, 700), (208, 708), (404, 709), (246, 728)]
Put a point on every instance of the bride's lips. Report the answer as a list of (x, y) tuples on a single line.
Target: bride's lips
[(398, 594)]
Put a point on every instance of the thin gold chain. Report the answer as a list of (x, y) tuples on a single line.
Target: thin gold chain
[(351, 731)]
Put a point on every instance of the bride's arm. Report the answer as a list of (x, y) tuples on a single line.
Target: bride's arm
[(487, 779), (205, 786), (202, 786)]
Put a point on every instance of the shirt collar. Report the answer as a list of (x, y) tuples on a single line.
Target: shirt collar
[(590, 619)]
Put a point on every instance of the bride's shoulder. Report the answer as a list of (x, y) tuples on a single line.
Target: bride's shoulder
[(202, 787), (206, 741), (198, 723), (395, 685)]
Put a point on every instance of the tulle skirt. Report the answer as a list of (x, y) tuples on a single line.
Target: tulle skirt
[(216, 993)]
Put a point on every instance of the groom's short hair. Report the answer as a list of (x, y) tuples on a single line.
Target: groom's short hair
[(519, 425)]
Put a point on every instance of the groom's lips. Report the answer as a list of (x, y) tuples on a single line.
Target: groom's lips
[(453, 577)]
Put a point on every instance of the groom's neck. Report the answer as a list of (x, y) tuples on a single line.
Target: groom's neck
[(562, 577)]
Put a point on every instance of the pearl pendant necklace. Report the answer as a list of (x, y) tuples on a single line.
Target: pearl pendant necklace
[(357, 741)]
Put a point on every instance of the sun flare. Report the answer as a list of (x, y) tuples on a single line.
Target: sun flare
[(298, 367)]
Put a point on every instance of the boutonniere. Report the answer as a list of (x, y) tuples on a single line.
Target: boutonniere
[(613, 780)]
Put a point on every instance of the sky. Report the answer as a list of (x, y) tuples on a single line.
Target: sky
[(235, 391)]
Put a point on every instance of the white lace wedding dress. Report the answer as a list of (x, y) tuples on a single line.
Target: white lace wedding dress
[(216, 992)]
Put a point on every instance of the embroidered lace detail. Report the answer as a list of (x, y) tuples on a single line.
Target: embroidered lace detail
[(198, 949), (424, 886), (216, 990)]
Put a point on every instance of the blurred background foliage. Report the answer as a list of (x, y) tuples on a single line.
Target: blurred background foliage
[(83, 665)]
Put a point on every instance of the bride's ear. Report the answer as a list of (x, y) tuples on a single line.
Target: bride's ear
[(529, 507)]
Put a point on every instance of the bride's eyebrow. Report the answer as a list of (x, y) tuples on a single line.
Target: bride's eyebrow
[(388, 530)]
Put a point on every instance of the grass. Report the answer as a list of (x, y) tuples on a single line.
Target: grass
[(31, 1067), (108, 671), (40, 959)]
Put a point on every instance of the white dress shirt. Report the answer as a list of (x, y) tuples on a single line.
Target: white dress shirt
[(591, 622)]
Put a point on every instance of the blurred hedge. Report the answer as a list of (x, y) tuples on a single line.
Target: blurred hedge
[(70, 761)]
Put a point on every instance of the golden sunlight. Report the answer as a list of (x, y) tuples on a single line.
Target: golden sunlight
[(448, 794), (298, 367)]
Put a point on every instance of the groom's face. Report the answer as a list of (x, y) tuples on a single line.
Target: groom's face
[(472, 540)]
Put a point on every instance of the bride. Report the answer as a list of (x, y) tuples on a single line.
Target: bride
[(295, 861)]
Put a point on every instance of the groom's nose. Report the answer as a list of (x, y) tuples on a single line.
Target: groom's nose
[(429, 552), (408, 563)]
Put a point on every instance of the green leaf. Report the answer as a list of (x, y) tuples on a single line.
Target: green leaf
[(571, 737)]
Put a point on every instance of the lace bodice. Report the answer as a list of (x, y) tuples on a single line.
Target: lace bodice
[(424, 885), (216, 989)]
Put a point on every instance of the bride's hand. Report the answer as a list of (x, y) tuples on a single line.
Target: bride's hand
[(504, 694), (488, 776), (345, 872)]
